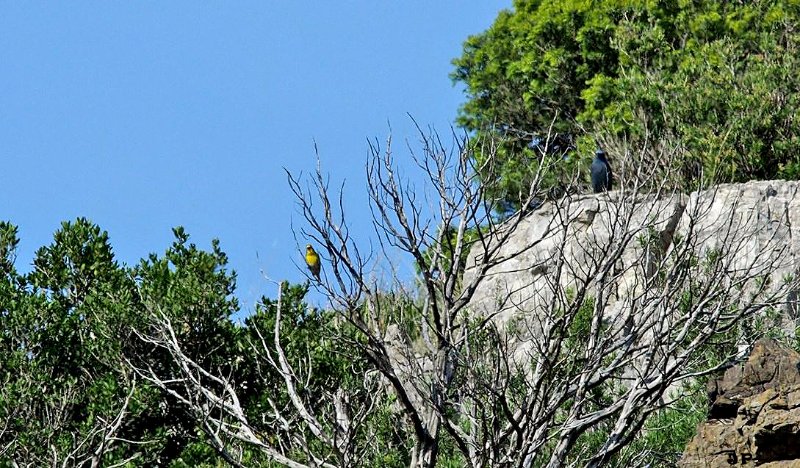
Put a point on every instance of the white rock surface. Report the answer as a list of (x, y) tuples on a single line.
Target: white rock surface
[(760, 219), (574, 229)]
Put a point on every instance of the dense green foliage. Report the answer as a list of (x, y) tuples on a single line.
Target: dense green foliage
[(73, 334), (69, 329), (69, 332), (719, 79)]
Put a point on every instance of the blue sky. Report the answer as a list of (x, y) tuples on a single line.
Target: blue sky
[(146, 115)]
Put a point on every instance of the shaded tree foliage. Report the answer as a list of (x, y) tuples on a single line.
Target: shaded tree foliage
[(720, 77)]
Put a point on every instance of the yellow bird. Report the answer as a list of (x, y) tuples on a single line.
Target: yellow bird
[(312, 260)]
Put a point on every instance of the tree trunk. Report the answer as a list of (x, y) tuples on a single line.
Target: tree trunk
[(426, 452)]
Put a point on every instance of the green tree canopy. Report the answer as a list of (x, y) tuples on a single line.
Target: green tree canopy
[(720, 78), (72, 327), (74, 331)]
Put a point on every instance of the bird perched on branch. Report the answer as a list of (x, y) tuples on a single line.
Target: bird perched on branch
[(312, 260), (602, 179)]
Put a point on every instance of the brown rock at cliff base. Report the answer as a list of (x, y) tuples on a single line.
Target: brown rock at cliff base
[(769, 365), (755, 413)]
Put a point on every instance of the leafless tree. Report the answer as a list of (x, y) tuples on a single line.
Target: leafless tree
[(435, 227), (570, 316), (649, 293), (303, 432)]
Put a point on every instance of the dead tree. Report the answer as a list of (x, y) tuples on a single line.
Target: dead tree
[(302, 432), (434, 228), (651, 300), (511, 349)]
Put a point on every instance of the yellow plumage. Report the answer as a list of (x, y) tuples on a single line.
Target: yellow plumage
[(312, 260)]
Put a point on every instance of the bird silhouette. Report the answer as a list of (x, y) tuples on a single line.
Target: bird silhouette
[(312, 260), (602, 178)]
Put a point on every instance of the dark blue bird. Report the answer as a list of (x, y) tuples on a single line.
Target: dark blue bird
[(602, 179)]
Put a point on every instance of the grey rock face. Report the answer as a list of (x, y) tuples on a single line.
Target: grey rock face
[(759, 220), (557, 248)]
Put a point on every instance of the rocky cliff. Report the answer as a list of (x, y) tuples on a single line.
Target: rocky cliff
[(609, 303), (754, 418), (559, 246)]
